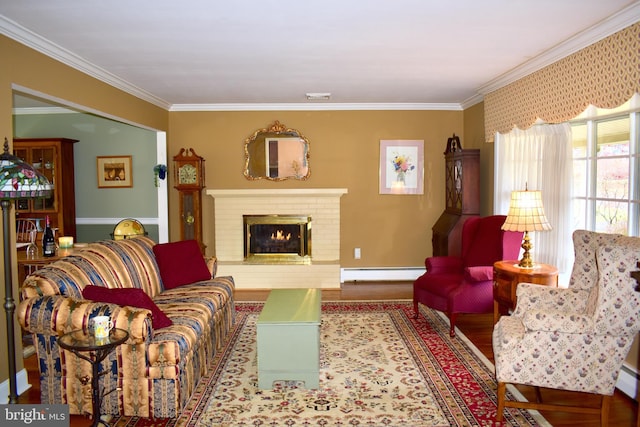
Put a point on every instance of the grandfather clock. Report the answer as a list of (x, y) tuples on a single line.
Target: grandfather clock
[(462, 197), (189, 181)]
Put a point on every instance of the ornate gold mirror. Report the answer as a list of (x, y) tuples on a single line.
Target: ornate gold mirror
[(276, 153)]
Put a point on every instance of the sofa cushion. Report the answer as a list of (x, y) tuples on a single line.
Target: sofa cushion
[(132, 297), (181, 263)]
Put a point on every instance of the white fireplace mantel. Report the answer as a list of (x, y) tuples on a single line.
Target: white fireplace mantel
[(321, 204), (287, 192)]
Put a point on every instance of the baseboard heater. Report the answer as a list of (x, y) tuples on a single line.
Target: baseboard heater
[(380, 274), (628, 380)]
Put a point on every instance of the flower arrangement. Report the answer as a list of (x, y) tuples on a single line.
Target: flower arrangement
[(401, 165)]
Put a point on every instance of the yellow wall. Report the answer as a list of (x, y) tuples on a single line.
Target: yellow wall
[(392, 231)]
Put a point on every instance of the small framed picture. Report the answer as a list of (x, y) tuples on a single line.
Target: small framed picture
[(401, 167), (114, 172)]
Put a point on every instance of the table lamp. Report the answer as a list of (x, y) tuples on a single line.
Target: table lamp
[(526, 214), (18, 180)]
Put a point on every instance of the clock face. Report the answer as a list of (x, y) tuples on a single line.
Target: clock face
[(188, 174)]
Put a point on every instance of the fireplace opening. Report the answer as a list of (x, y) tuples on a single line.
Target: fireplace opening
[(277, 239)]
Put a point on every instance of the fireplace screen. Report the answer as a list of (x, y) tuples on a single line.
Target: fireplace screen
[(277, 239)]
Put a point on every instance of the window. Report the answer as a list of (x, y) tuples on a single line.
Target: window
[(606, 171)]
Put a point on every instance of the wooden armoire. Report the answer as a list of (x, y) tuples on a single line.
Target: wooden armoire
[(462, 197)]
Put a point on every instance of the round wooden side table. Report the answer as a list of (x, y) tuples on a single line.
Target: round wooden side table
[(507, 275), (93, 350)]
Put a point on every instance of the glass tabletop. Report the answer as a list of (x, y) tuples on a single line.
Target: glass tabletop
[(81, 341)]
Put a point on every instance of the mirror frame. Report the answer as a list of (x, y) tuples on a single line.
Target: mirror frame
[(277, 129)]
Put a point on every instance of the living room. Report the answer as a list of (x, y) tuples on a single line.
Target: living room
[(393, 232)]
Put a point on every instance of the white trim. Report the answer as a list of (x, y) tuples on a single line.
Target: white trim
[(471, 101), (381, 274), (628, 381), (163, 193), (290, 192), (114, 221), (325, 106), (22, 385), (42, 110)]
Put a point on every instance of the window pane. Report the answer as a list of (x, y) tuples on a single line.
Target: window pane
[(579, 178), (611, 217), (579, 214), (613, 179), (613, 137), (602, 185)]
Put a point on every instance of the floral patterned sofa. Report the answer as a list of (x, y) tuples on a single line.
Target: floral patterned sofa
[(155, 371)]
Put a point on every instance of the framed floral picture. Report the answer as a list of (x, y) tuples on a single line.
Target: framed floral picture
[(401, 167), (114, 172)]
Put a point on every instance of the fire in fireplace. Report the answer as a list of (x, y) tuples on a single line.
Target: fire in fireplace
[(277, 239)]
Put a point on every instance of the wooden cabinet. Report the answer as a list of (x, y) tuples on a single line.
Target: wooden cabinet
[(507, 275), (53, 157), (462, 200)]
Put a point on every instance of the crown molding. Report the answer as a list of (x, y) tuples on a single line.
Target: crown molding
[(27, 37), (614, 23), (317, 107), (470, 102)]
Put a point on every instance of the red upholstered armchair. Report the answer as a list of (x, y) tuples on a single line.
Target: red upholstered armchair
[(464, 284)]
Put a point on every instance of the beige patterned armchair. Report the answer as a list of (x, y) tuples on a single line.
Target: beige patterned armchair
[(573, 338)]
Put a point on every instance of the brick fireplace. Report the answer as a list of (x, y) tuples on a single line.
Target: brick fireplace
[(321, 205)]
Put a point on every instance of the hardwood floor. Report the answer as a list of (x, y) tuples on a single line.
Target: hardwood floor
[(477, 327)]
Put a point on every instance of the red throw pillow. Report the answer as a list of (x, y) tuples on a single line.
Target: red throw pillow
[(133, 297), (181, 263), (478, 274)]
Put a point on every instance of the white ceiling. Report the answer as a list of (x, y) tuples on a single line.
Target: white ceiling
[(261, 54)]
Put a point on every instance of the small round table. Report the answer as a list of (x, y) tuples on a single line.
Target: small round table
[(507, 275), (79, 342)]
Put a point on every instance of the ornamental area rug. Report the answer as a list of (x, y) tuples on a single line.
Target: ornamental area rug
[(378, 367)]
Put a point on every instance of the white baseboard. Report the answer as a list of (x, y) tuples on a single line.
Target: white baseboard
[(22, 385), (628, 381), (112, 221), (381, 274)]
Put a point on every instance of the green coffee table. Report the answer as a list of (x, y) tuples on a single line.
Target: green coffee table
[(288, 331)]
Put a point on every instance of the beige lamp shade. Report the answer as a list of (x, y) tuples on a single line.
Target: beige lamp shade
[(526, 213)]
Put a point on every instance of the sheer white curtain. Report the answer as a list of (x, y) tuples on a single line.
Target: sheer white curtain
[(540, 158)]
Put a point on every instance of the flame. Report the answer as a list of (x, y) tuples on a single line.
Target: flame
[(279, 235)]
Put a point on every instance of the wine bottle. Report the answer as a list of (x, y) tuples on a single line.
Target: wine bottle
[(48, 242)]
